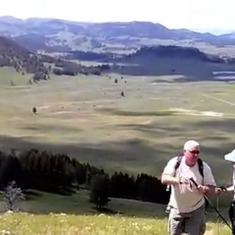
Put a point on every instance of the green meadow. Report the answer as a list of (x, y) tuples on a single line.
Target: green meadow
[(56, 214), (87, 118)]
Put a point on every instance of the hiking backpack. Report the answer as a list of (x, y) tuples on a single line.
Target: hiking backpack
[(179, 159), (199, 162)]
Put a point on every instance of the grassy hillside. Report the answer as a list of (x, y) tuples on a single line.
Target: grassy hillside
[(9, 77), (78, 203), (87, 118), (56, 214)]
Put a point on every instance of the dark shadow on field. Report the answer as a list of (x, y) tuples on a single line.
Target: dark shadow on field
[(223, 125), (31, 194), (51, 127), (132, 155), (153, 129), (135, 113), (106, 210), (78, 204), (223, 128), (186, 69), (139, 155)]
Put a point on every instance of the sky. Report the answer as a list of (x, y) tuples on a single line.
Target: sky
[(216, 16)]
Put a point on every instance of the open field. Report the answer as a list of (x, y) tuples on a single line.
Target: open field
[(10, 77), (78, 203), (55, 214), (87, 118)]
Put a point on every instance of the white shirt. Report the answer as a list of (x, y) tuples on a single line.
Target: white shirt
[(187, 198)]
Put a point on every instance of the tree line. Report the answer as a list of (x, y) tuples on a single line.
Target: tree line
[(58, 173)]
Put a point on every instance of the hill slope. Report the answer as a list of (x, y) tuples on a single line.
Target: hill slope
[(23, 60), (40, 65), (174, 60)]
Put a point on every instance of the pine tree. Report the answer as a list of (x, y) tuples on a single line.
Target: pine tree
[(99, 190)]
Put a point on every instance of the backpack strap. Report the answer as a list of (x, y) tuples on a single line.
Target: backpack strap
[(177, 164), (199, 162), (200, 166)]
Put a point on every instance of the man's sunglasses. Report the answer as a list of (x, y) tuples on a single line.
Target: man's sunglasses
[(194, 151)]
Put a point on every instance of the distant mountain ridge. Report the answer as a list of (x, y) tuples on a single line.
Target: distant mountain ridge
[(64, 35)]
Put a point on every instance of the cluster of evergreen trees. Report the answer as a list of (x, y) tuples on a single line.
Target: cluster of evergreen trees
[(58, 173)]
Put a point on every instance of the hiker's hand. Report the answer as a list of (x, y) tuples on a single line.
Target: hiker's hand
[(219, 190), (203, 189), (184, 180)]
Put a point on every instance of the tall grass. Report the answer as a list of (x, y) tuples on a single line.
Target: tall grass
[(22, 223)]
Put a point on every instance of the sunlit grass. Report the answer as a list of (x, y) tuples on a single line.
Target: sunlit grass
[(57, 214), (9, 77), (100, 224)]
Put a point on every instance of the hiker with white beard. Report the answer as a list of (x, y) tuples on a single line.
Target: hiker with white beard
[(187, 203), (230, 157)]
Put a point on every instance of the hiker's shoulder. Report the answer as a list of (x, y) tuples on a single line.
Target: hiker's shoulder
[(205, 164), (174, 160)]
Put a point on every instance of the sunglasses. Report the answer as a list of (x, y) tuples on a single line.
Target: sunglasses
[(194, 151)]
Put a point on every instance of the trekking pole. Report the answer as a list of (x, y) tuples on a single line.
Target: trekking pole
[(212, 206)]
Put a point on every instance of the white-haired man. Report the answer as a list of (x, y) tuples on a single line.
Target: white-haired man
[(187, 203)]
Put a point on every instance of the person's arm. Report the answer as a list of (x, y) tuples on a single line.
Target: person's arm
[(168, 175), (230, 188), (169, 179), (219, 190), (206, 189)]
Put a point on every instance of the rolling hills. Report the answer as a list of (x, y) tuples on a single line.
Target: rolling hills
[(63, 35)]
